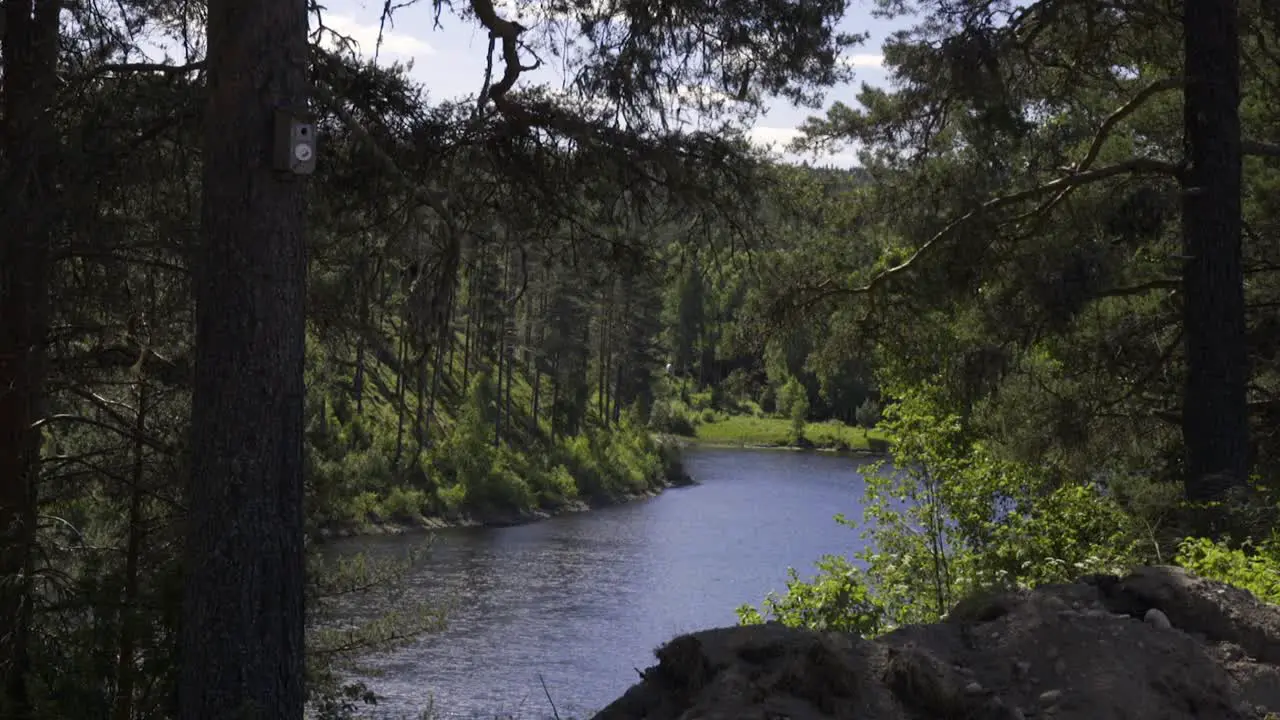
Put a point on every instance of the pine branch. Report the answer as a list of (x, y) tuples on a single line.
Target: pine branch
[(1260, 149), (1104, 132), (1134, 166)]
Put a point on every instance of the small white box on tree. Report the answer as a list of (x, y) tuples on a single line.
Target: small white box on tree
[(295, 143)]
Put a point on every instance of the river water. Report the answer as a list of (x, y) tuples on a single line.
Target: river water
[(580, 601)]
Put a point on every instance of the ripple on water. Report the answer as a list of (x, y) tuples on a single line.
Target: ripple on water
[(583, 599)]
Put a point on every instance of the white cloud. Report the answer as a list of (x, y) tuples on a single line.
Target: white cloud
[(862, 60), (776, 140), (772, 137), (701, 94), (366, 36)]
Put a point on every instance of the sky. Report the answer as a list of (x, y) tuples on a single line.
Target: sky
[(450, 60)]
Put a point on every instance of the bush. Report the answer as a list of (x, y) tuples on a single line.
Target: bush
[(702, 400), (364, 507), (557, 486), (839, 600), (668, 416), (404, 504), (452, 498), (739, 384), (505, 487), (957, 518), (798, 410), (868, 414), (768, 400), (1254, 567)]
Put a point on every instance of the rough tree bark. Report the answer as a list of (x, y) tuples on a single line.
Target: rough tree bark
[(29, 53), (1215, 422), (242, 621)]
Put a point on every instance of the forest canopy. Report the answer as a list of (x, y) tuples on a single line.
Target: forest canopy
[(1048, 287)]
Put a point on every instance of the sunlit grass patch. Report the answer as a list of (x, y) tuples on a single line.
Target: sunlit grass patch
[(776, 432)]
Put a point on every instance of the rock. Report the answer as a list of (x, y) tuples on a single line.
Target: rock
[(1157, 619), (1220, 612), (1004, 656)]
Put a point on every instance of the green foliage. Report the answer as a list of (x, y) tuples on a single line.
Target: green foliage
[(799, 413), (868, 413), (760, 431), (625, 461), (1253, 566), (952, 519), (838, 600), (674, 417)]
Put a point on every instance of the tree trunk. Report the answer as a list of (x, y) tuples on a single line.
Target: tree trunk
[(555, 396), (420, 409), (435, 384), (402, 381), (29, 53), (466, 347), (511, 361), (125, 670), (1215, 423), (363, 320), (242, 621), (536, 392), (617, 392)]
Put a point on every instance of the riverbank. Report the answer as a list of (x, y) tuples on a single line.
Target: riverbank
[(749, 431), (493, 519)]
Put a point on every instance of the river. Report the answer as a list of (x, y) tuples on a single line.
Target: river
[(580, 601)]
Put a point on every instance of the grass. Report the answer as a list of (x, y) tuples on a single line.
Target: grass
[(776, 432)]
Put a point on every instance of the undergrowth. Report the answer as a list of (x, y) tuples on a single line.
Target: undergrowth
[(954, 518)]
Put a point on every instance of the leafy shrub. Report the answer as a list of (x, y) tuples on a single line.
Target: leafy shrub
[(558, 485), (868, 413), (954, 518), (739, 384), (670, 416), (404, 504), (768, 400), (789, 394), (364, 507), (505, 486), (452, 497), (702, 400), (671, 462), (837, 600), (1254, 567), (799, 412)]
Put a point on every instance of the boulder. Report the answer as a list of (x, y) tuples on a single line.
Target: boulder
[(1092, 650)]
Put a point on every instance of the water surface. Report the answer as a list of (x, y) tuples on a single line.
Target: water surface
[(580, 601)]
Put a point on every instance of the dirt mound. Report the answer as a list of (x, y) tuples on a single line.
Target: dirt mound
[(1159, 644)]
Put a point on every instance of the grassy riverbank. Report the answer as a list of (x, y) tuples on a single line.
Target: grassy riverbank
[(375, 523), (755, 431)]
